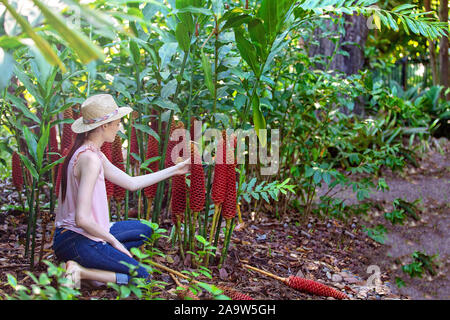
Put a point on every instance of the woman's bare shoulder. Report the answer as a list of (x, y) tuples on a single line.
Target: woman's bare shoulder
[(87, 161)]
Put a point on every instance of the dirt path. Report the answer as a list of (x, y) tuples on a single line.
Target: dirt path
[(430, 183)]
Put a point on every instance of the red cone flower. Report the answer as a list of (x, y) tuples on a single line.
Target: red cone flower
[(197, 188), (107, 151), (171, 144), (178, 197), (234, 294), (219, 185), (134, 148), (195, 135), (17, 176), (76, 111), (67, 134), (178, 200), (59, 175), (152, 151), (117, 160), (314, 287), (229, 204)]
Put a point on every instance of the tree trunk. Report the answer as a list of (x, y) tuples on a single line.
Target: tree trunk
[(356, 31), (432, 48), (443, 53)]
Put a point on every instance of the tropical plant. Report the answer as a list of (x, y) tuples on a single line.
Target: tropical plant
[(190, 65), (51, 285)]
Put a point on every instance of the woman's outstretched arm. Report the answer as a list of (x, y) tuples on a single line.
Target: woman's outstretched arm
[(117, 176)]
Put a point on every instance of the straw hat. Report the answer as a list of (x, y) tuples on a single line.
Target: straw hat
[(97, 110)]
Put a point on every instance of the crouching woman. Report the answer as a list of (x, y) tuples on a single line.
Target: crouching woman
[(93, 247)]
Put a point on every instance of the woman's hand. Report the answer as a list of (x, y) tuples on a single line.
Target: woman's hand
[(119, 246), (183, 167)]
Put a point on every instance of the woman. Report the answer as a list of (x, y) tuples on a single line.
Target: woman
[(93, 248)]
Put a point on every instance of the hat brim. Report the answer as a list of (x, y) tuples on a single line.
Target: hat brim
[(79, 127)]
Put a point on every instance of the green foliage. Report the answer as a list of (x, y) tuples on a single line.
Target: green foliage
[(402, 209), (52, 285), (206, 249), (184, 58), (395, 216), (263, 190), (399, 282), (378, 233), (421, 263), (410, 208)]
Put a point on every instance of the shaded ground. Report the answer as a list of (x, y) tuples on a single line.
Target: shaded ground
[(431, 184), (336, 253)]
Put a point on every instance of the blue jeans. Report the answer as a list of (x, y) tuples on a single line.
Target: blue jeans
[(69, 245)]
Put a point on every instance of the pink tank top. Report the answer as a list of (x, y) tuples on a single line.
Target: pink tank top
[(65, 212)]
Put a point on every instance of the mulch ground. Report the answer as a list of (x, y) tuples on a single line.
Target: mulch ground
[(336, 253)]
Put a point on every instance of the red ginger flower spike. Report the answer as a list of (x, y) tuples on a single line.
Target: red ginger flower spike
[(304, 285), (53, 144), (191, 129), (234, 294), (197, 189), (134, 148), (229, 204), (314, 287), (67, 134), (107, 151), (59, 175), (152, 151), (194, 131), (17, 176), (219, 185), (172, 143), (53, 148), (178, 200), (117, 160), (77, 113)]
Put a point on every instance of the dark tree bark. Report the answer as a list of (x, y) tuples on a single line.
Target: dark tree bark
[(432, 48), (356, 31), (443, 53)]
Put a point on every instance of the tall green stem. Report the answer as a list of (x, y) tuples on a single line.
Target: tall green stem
[(229, 231), (30, 218), (33, 243), (207, 202), (216, 61)]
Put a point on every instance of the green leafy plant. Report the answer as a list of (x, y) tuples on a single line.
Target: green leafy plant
[(399, 282), (378, 233), (395, 216), (402, 209), (421, 263), (147, 289), (263, 190), (31, 132), (206, 249), (52, 285), (410, 208)]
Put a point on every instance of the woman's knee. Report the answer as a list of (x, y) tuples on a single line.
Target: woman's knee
[(131, 230), (146, 231)]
